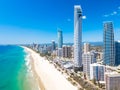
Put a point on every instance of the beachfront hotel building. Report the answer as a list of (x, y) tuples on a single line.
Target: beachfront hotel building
[(112, 81), (77, 37), (86, 47), (60, 39), (109, 47), (88, 58), (117, 53)]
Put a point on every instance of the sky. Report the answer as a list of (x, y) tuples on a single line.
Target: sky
[(28, 21)]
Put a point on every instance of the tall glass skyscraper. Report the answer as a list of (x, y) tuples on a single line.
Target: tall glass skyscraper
[(77, 36), (117, 53), (109, 46), (60, 39), (53, 45)]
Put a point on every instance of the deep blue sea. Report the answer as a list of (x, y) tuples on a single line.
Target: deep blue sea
[(15, 71)]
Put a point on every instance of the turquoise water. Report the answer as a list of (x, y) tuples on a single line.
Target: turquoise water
[(15, 74)]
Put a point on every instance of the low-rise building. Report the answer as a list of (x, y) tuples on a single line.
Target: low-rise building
[(112, 81)]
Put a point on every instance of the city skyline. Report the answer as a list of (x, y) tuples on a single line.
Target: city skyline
[(30, 21)]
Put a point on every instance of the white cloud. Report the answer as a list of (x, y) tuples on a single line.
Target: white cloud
[(68, 19), (106, 15), (112, 14), (119, 7), (84, 17), (116, 12)]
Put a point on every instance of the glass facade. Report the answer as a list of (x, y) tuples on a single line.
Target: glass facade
[(60, 39), (53, 45), (109, 46), (117, 53)]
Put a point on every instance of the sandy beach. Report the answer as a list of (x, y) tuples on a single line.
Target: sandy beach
[(48, 77)]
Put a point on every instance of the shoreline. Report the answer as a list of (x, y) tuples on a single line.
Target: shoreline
[(48, 77), (31, 62), (41, 86)]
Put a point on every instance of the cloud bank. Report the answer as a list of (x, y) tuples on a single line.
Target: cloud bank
[(117, 12)]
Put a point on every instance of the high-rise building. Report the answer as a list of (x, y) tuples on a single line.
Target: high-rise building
[(97, 72), (72, 51), (88, 58), (77, 37), (112, 81), (53, 45), (86, 47), (59, 52), (60, 39), (109, 47), (117, 53), (66, 51)]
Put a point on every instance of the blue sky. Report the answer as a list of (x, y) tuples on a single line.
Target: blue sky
[(27, 21)]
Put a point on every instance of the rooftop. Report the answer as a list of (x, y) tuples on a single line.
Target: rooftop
[(96, 64), (77, 6), (114, 75)]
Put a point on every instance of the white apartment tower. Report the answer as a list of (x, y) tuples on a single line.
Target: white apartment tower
[(77, 37), (88, 58), (86, 47)]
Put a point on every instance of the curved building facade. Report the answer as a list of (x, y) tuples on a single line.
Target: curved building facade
[(109, 46)]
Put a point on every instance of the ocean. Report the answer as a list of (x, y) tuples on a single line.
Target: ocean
[(15, 69)]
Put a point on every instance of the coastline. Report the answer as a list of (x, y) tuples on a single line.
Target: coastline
[(41, 86), (46, 74), (31, 62)]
